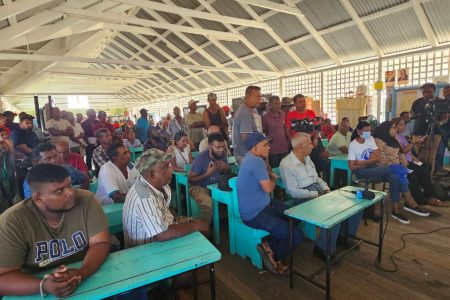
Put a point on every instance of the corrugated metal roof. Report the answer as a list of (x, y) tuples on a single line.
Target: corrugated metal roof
[(281, 59), (398, 31), (288, 27), (259, 38), (210, 80), (367, 7), (178, 42), (223, 76), (349, 44), (161, 45), (230, 8), (256, 63), (312, 54), (211, 25), (238, 48), (216, 53), (323, 13), (200, 59), (438, 13), (191, 4)]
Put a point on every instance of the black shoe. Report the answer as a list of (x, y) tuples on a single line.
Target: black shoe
[(347, 243), (417, 210), (401, 218)]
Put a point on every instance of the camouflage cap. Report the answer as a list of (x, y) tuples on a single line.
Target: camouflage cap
[(150, 158)]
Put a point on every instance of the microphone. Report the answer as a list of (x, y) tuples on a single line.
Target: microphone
[(367, 195)]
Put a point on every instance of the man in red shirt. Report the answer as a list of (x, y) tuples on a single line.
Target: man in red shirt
[(72, 159), (299, 113)]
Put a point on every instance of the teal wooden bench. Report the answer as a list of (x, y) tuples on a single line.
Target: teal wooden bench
[(224, 197), (246, 237), (340, 162), (135, 152), (113, 213), (143, 265)]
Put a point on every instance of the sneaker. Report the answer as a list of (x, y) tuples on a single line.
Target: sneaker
[(401, 218), (417, 210)]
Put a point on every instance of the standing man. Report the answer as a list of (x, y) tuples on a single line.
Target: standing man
[(104, 138), (142, 126), (299, 113), (9, 115), (79, 118), (89, 135), (60, 129), (273, 126), (76, 141), (177, 123), (205, 170), (194, 122), (428, 150), (286, 105), (214, 115), (57, 226), (244, 122), (103, 123), (255, 182), (24, 138)]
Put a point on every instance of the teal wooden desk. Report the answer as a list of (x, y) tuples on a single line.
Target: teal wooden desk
[(340, 162), (226, 198), (113, 213), (327, 211), (135, 267)]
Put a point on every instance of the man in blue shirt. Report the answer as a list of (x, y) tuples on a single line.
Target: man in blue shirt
[(142, 126), (205, 170), (255, 182), (24, 138)]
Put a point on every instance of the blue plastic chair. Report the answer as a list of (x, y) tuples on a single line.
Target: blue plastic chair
[(246, 237)]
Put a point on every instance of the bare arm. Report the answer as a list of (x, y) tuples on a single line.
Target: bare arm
[(177, 230), (268, 185)]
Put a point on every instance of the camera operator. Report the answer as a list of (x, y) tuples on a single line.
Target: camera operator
[(423, 112), (299, 113)]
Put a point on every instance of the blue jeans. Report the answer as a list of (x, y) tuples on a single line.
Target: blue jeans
[(273, 220), (379, 174), (338, 230)]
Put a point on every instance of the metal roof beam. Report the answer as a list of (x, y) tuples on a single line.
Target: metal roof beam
[(273, 6), (362, 27), (51, 58), (424, 22), (13, 8), (119, 19), (185, 12)]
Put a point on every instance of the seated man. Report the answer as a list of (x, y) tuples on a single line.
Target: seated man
[(58, 226), (340, 140), (105, 140), (302, 182), (255, 182), (146, 213), (24, 138), (204, 145), (155, 140), (46, 154), (116, 176), (205, 170), (72, 159)]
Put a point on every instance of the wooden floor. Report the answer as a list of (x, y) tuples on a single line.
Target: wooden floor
[(423, 268)]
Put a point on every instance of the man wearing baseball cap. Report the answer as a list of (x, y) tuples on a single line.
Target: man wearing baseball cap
[(9, 115), (255, 182), (195, 124)]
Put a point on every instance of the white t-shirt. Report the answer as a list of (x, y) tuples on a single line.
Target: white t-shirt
[(61, 125), (111, 179), (357, 151), (77, 130), (182, 157), (136, 143)]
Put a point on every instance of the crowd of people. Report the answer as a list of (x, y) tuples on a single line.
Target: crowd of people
[(56, 224)]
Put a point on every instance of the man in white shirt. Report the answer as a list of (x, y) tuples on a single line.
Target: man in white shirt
[(76, 141), (340, 140), (116, 176), (59, 129), (302, 182)]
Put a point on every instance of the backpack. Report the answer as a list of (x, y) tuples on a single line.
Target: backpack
[(442, 189)]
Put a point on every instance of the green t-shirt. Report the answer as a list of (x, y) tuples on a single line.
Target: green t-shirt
[(27, 241), (337, 141)]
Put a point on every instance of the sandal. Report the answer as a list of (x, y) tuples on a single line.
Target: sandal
[(437, 202), (268, 261), (283, 270)]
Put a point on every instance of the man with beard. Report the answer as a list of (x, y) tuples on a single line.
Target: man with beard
[(58, 225), (155, 140), (205, 170), (24, 138)]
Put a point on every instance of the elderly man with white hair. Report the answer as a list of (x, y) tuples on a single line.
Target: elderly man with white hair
[(303, 184)]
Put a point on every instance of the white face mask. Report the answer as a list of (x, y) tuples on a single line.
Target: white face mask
[(366, 134)]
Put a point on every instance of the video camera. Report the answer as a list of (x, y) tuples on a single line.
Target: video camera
[(306, 125), (436, 108)]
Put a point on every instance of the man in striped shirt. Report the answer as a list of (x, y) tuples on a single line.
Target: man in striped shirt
[(146, 214)]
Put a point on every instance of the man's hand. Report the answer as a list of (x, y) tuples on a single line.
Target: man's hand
[(64, 274), (55, 286), (211, 169), (221, 165)]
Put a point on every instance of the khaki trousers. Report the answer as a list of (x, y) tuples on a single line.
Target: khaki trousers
[(203, 198)]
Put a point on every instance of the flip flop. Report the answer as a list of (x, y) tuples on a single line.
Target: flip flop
[(283, 270), (266, 260)]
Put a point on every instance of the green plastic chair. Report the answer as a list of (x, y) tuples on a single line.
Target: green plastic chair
[(135, 153)]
